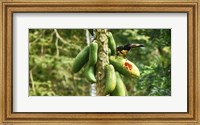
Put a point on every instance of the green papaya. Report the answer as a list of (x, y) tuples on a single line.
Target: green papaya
[(120, 89), (111, 43), (124, 66), (110, 79), (80, 60), (89, 73), (109, 52), (126, 92), (93, 50)]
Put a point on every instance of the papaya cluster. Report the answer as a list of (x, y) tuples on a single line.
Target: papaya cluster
[(117, 66), (88, 58)]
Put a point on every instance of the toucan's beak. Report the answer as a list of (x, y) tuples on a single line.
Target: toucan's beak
[(136, 45)]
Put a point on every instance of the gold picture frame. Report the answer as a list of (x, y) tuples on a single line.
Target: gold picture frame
[(191, 7)]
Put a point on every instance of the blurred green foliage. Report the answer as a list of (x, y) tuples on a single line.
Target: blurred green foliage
[(51, 53)]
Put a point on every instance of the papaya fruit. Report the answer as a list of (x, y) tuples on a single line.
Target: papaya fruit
[(110, 79), (109, 52), (93, 50), (111, 43), (120, 89), (126, 92), (89, 73), (80, 60), (124, 66)]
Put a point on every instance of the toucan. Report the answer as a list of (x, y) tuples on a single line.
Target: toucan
[(123, 50)]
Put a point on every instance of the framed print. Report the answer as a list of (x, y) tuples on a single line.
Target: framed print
[(86, 62)]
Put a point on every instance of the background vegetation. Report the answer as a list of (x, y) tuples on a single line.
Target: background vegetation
[(51, 53)]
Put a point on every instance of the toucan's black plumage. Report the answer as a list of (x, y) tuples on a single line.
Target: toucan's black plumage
[(123, 50)]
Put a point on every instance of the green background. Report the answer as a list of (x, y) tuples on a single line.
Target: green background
[(52, 51)]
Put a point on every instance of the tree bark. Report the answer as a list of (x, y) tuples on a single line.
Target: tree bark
[(103, 60)]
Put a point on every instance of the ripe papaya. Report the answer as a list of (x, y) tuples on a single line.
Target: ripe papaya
[(110, 79), (124, 66), (120, 89), (89, 73), (93, 50), (111, 43), (80, 60)]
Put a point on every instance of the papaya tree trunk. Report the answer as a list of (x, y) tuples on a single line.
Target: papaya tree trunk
[(103, 60)]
